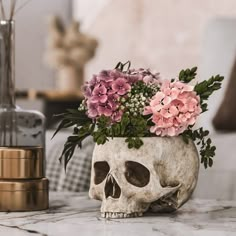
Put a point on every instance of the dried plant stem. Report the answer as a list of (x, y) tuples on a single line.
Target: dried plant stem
[(21, 6), (13, 6), (3, 15), (13, 9)]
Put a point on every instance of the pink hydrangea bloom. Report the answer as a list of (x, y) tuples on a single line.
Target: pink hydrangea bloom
[(173, 108), (105, 109), (99, 94), (92, 110), (117, 115), (103, 92), (121, 86), (145, 75)]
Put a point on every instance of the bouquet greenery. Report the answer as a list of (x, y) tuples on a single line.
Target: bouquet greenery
[(131, 103)]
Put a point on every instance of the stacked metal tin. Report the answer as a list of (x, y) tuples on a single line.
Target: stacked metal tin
[(23, 186)]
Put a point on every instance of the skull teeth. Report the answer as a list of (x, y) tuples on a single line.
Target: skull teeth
[(116, 215)]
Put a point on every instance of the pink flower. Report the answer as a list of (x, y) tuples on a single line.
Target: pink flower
[(92, 110), (133, 78), (102, 94), (173, 109), (105, 76), (120, 86), (93, 82), (146, 76), (108, 86), (99, 94), (112, 100), (87, 90), (105, 109), (116, 116), (150, 79)]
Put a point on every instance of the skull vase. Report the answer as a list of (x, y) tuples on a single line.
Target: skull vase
[(160, 176)]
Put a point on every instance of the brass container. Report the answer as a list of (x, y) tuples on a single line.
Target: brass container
[(24, 195), (21, 163)]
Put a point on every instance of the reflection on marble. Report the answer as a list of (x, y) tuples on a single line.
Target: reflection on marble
[(75, 214)]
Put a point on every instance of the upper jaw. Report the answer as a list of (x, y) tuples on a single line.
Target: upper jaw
[(117, 215)]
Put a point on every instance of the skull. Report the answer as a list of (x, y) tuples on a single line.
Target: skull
[(160, 176)]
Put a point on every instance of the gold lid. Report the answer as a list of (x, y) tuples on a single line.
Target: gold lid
[(21, 163), (21, 152), (24, 185)]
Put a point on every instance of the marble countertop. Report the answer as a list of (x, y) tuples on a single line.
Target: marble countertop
[(75, 214)]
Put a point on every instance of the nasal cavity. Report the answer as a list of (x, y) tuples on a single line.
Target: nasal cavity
[(112, 189)]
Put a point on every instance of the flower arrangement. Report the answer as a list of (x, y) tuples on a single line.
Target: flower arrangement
[(132, 103)]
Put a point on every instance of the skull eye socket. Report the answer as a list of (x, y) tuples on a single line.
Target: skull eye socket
[(101, 169), (136, 174)]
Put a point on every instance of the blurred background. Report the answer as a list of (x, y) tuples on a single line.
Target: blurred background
[(54, 55)]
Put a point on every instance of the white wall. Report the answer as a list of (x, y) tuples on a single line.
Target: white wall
[(87, 11), (163, 35), (31, 30)]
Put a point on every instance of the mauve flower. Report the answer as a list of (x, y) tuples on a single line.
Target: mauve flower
[(132, 79), (87, 91), (105, 76), (94, 81), (92, 110), (99, 94), (105, 109), (120, 86), (150, 79), (108, 86), (145, 75), (112, 100), (173, 109), (117, 115), (116, 74), (101, 98)]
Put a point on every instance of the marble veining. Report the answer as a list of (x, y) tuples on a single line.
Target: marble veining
[(73, 214)]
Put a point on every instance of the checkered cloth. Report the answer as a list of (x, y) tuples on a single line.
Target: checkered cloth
[(77, 176)]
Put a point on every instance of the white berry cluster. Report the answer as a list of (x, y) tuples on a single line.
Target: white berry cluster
[(82, 106), (134, 103)]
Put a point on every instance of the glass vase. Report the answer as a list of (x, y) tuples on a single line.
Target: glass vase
[(18, 127)]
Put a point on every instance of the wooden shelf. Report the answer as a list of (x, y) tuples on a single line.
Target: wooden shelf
[(53, 95)]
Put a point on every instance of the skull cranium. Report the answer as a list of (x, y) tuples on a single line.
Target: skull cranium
[(160, 176)]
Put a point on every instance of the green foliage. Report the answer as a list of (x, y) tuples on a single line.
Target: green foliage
[(134, 142), (71, 118), (207, 151), (141, 88), (83, 127), (188, 75), (206, 88), (100, 134), (131, 127)]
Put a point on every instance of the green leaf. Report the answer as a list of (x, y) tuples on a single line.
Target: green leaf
[(65, 123), (120, 66), (124, 123), (194, 69), (185, 138), (210, 162), (187, 75), (69, 148), (207, 151), (206, 88), (201, 87)]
